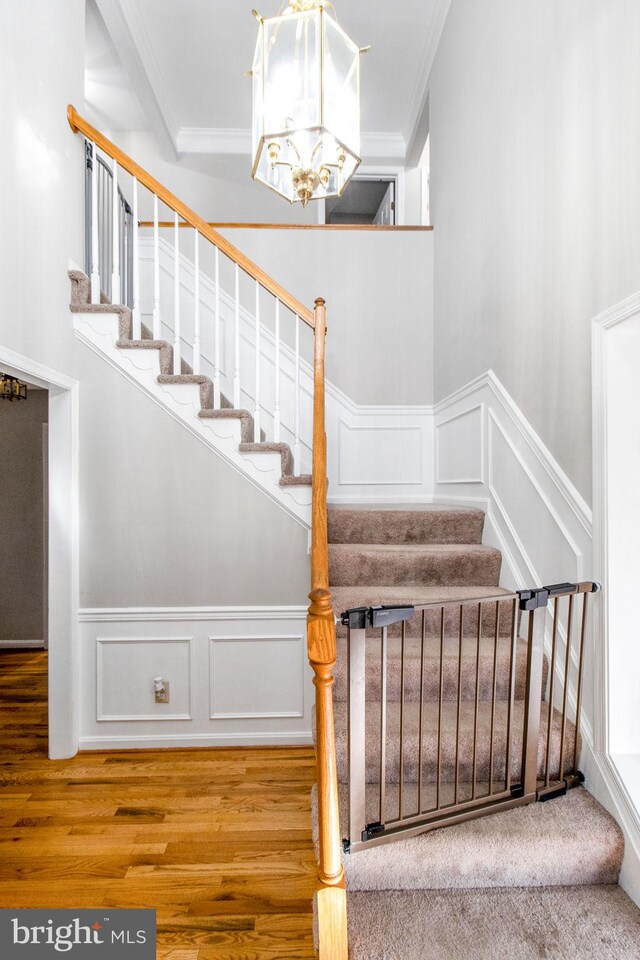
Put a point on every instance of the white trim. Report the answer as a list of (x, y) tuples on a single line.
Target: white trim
[(138, 59), (170, 614), (419, 97), (489, 379), (63, 512), (620, 801), (146, 742)]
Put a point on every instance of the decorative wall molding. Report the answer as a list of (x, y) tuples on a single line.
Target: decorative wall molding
[(238, 675), (417, 125), (142, 693), (534, 515), (280, 657), (185, 614)]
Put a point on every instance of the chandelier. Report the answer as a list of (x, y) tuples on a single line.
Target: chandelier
[(11, 388), (306, 103)]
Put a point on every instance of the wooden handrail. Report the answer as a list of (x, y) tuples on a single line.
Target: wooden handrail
[(79, 125), (321, 643)]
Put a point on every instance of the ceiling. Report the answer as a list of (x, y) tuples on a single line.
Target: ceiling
[(176, 67)]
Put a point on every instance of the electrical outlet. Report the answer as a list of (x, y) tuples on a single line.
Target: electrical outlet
[(162, 696)]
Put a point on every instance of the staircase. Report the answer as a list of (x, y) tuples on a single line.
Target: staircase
[(535, 881), (457, 685), (163, 357)]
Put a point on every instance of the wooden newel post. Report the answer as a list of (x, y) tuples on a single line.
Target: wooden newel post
[(321, 631), (331, 906)]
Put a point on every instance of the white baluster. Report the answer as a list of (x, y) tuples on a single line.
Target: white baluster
[(256, 416), (137, 322), (276, 401), (115, 224), (216, 369), (296, 404), (196, 303), (157, 329), (177, 366), (236, 365), (95, 254)]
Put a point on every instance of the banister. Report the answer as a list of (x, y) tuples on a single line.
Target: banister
[(79, 125), (321, 643)]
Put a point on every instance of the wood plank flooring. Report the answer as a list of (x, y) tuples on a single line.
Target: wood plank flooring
[(217, 841)]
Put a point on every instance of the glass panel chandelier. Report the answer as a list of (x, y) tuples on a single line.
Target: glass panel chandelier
[(306, 103)]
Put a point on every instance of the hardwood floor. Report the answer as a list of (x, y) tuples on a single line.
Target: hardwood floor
[(217, 841)]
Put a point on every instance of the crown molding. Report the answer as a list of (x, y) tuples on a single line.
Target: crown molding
[(417, 126), (141, 66), (233, 140)]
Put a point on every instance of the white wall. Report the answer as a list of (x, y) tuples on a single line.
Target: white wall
[(535, 152), (379, 293), (41, 176)]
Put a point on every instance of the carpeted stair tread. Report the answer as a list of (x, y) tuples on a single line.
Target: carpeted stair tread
[(547, 923), (403, 564), (301, 480), (569, 840), (431, 672), (448, 741), (245, 418), (423, 524), (348, 597), (286, 457)]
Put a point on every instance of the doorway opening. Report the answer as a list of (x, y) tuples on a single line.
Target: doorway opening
[(24, 523), (59, 503), (369, 199)]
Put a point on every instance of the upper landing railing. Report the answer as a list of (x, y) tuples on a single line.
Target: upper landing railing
[(321, 638)]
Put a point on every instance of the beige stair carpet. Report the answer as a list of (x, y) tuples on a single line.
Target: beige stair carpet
[(542, 923)]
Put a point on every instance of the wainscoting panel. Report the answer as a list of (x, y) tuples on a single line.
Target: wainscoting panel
[(238, 676), (238, 667), (125, 669), (488, 455), (460, 447), (534, 515)]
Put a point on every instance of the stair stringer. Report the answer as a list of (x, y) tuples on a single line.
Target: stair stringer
[(99, 332)]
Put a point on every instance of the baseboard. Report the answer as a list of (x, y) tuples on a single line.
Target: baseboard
[(22, 645), (185, 741)]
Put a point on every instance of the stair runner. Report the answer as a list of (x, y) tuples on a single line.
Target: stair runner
[(535, 881), (81, 303)]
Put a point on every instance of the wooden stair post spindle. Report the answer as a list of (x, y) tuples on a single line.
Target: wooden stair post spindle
[(321, 641)]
